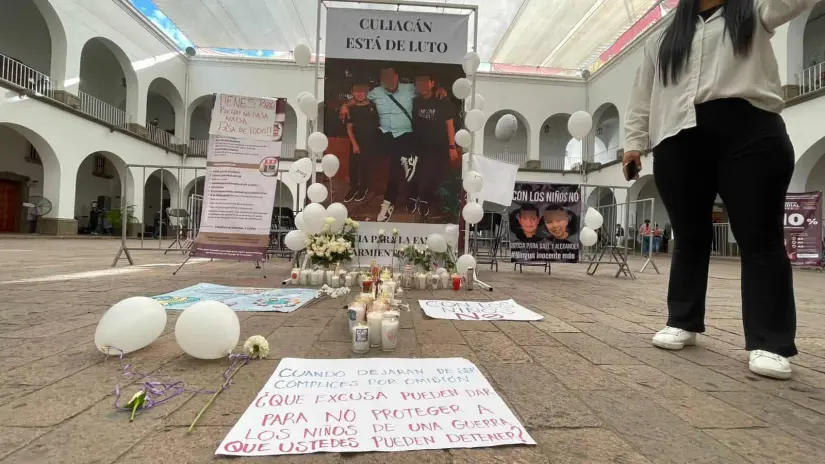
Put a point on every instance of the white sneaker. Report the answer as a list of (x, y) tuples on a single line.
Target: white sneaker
[(770, 365), (387, 209), (671, 338)]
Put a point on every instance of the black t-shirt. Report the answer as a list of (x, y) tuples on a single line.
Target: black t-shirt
[(430, 116), (364, 120)]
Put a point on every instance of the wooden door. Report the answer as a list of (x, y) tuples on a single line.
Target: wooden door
[(9, 206)]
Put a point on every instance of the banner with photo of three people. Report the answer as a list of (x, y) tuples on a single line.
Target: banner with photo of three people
[(391, 119), (544, 222)]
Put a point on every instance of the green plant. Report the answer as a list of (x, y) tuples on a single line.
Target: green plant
[(450, 194), (422, 257), (115, 217)]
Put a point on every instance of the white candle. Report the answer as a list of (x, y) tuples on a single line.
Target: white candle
[(356, 313), (332, 279), (305, 277), (389, 330), (295, 276), (421, 279), (374, 321), (390, 287), (317, 277), (360, 338), (445, 280), (348, 280)]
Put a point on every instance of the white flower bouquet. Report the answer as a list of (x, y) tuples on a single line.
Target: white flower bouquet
[(333, 244)]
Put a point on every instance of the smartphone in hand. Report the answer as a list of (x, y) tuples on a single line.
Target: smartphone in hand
[(631, 170)]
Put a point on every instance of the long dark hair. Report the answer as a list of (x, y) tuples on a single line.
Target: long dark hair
[(674, 49)]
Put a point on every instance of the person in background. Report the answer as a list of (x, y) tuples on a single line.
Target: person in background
[(707, 98), (434, 131), (644, 232), (362, 130), (657, 238), (619, 234)]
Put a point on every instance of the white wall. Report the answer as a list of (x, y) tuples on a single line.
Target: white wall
[(25, 36), (101, 75), (814, 39)]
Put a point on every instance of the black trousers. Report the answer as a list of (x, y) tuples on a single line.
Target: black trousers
[(745, 155), (360, 167), (395, 148), (433, 164)]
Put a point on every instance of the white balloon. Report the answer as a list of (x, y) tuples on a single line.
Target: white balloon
[(462, 88), (479, 104), (473, 182), (301, 96), (472, 213), (593, 219), (588, 236), (464, 138), (208, 330), (330, 164), (317, 192), (299, 222), (296, 240), (580, 124), (309, 106), (317, 142), (464, 262), (440, 271), (301, 170), (506, 127), (302, 54), (471, 63), (474, 120), (314, 216), (338, 212), (130, 325), (437, 243), (451, 234)]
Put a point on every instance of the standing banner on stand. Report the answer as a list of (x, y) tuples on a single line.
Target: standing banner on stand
[(391, 119), (544, 222), (803, 231), (241, 177)]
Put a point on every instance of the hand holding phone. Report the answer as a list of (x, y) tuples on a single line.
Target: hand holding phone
[(632, 164)]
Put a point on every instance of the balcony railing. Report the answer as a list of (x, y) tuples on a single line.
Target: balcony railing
[(812, 79), (516, 158), (199, 148), (19, 74), (103, 111), (158, 135)]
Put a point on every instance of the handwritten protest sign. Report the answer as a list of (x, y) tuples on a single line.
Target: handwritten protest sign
[(360, 405), (246, 118), (504, 310)]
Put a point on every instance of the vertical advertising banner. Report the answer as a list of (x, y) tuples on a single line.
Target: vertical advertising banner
[(803, 231), (241, 177), (544, 222), (391, 118)]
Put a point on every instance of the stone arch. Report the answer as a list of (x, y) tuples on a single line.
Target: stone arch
[(607, 129), (164, 103), (553, 141), (95, 178), (121, 92), (600, 196), (37, 28), (794, 55), (517, 149), (199, 116), (291, 126), (161, 191), (195, 186)]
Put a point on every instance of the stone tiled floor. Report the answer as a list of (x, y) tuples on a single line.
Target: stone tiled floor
[(584, 381)]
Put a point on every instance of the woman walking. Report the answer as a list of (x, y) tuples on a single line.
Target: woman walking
[(707, 97)]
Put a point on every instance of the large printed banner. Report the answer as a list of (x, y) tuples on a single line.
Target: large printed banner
[(544, 222), (241, 177), (391, 120), (361, 405), (803, 231)]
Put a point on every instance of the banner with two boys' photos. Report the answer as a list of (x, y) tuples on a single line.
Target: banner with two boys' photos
[(544, 222)]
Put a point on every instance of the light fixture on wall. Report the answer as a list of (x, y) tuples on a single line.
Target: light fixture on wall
[(190, 51)]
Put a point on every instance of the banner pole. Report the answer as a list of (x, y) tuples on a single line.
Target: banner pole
[(314, 124), (473, 141)]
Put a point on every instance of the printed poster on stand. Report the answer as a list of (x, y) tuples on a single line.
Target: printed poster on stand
[(391, 118), (241, 177), (544, 222), (378, 404), (803, 230)]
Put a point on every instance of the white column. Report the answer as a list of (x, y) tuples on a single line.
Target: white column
[(68, 77), (59, 184), (134, 196), (301, 132), (136, 100), (534, 145)]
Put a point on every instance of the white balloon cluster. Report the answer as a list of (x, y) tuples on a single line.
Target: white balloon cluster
[(593, 220), (311, 221)]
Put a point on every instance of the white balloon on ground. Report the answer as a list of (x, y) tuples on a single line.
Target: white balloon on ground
[(338, 212), (579, 124), (462, 88), (208, 330), (309, 106), (299, 222), (296, 240), (130, 325), (471, 63), (473, 182), (437, 243), (464, 138), (472, 213), (314, 216), (301, 170), (330, 164), (317, 142), (451, 234), (479, 103), (302, 54), (506, 127), (465, 262), (588, 237), (474, 120), (317, 192), (593, 219)]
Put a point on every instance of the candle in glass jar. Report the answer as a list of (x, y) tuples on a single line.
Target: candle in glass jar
[(360, 338), (356, 313), (389, 287), (306, 275), (295, 276), (456, 282), (348, 280), (421, 280), (389, 330), (374, 319), (366, 285), (317, 277), (332, 279), (445, 280)]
